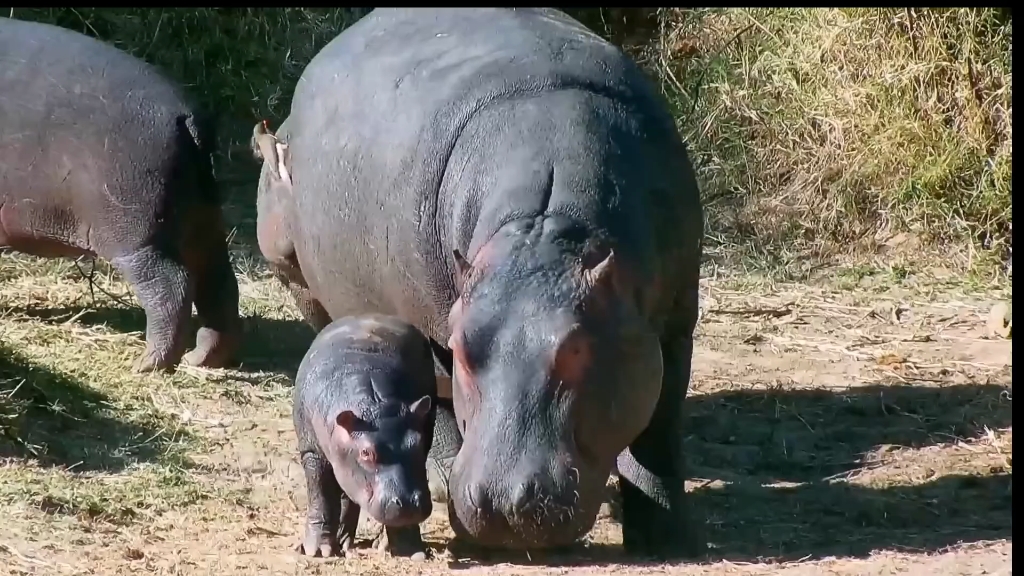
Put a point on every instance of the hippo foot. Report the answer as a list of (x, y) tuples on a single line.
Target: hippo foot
[(403, 543), (463, 547), (151, 361), (438, 471), (213, 349), (664, 534), (319, 545)]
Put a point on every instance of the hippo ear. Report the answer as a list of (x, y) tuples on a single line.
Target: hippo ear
[(421, 408), (603, 274), (284, 160), (462, 269), (262, 142), (266, 147)]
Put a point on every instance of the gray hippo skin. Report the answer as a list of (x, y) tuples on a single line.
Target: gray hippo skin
[(515, 187), (364, 416), (101, 155), (275, 223)]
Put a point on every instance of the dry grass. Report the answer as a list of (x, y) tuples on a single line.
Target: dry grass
[(820, 134), (850, 128)]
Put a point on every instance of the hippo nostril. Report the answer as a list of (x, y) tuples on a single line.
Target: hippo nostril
[(396, 502), (419, 499), (523, 496), (477, 496)]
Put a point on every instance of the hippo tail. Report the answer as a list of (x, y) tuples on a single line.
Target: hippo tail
[(201, 131)]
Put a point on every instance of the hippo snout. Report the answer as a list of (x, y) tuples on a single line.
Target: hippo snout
[(537, 511), (403, 509)]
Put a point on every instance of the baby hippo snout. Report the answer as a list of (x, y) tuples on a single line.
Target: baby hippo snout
[(406, 508)]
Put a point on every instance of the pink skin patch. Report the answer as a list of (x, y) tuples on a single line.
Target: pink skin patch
[(572, 359), (345, 441), (463, 374)]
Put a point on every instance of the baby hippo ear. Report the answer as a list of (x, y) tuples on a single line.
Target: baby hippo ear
[(462, 270), (348, 423), (421, 408)]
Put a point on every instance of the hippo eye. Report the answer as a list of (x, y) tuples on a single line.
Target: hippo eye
[(573, 358)]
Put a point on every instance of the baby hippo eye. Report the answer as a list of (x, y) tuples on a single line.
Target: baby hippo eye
[(367, 455)]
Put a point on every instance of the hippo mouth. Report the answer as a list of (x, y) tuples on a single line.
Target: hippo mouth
[(508, 520)]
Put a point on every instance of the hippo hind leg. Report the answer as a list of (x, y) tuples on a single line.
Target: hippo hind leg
[(312, 311), (278, 248), (216, 290), (285, 267), (162, 286)]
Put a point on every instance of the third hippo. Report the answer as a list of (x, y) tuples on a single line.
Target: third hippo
[(514, 186)]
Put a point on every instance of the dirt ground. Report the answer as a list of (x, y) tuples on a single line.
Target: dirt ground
[(852, 426)]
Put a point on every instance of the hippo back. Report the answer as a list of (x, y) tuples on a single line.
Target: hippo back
[(380, 111), (90, 129)]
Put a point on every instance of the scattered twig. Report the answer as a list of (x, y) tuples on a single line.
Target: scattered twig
[(93, 285), (257, 529), (770, 312), (883, 341)]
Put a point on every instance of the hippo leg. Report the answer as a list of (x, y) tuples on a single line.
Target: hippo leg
[(445, 446), (278, 249), (216, 297), (163, 288), (447, 440), (310, 308), (405, 541), (349, 522), (323, 509), (287, 271), (655, 518)]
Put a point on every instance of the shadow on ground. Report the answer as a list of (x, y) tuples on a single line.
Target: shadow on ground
[(777, 459), (809, 434), (803, 442), (268, 344), (749, 522), (59, 421)]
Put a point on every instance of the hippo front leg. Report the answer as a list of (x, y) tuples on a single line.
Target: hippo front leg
[(405, 541), (163, 288), (445, 446), (652, 471), (323, 508)]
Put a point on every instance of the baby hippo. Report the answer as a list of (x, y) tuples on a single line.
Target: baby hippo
[(364, 416)]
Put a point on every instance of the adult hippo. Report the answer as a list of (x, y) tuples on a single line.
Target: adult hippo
[(102, 155), (514, 186)]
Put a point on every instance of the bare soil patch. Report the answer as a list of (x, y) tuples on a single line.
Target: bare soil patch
[(831, 432)]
